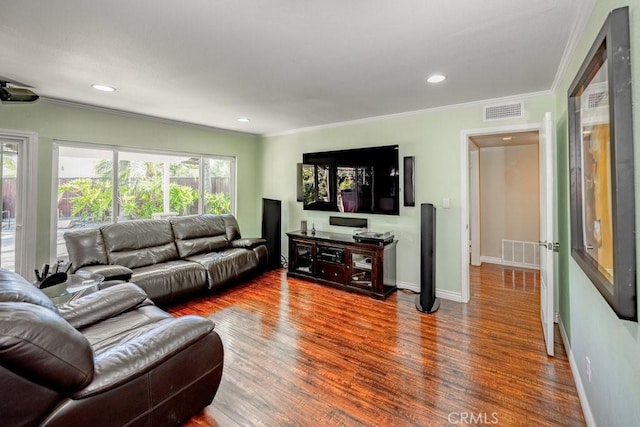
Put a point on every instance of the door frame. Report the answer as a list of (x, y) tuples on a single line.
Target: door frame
[(27, 223), (465, 134)]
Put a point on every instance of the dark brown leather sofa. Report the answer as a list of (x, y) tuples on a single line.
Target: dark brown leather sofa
[(169, 259), (108, 358)]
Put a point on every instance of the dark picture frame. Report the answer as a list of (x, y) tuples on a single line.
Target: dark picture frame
[(602, 170)]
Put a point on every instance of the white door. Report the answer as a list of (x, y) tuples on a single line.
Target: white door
[(546, 231), (18, 199)]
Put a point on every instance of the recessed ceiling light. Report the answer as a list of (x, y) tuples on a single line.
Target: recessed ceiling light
[(436, 78), (104, 88), (506, 138), (244, 119)]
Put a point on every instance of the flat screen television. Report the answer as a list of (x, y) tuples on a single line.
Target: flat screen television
[(364, 180)]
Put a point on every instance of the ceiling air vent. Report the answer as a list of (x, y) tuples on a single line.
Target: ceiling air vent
[(598, 99), (511, 110)]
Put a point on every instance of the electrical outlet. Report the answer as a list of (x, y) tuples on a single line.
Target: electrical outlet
[(587, 365)]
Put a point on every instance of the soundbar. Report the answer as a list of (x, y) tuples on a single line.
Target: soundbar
[(348, 222)]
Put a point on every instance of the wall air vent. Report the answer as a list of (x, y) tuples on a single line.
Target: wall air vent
[(511, 110)]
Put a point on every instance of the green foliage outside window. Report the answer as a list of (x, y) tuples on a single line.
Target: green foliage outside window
[(90, 198), (217, 203), (140, 192)]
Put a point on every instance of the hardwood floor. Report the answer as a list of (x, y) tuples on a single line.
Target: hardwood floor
[(299, 353)]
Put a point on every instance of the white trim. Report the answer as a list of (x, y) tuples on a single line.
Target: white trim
[(53, 211), (482, 102), (585, 8), (491, 260), (465, 134), (134, 149), (499, 261), (450, 295), (474, 211), (440, 293), (406, 285), (140, 116), (582, 395), (25, 259)]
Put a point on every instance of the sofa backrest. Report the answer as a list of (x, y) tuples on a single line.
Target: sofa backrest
[(231, 227), (85, 247), (199, 234), (15, 288), (139, 243)]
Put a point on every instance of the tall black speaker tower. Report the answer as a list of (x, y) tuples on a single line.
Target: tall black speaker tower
[(427, 301), (271, 232)]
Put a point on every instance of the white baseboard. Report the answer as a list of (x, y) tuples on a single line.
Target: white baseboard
[(491, 260), (586, 409), (499, 261), (440, 293), (406, 285), (450, 295)]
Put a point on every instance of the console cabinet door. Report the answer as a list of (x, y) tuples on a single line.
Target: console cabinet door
[(303, 257), (363, 269)]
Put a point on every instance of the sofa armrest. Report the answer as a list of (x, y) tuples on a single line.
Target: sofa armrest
[(247, 243), (37, 344), (103, 304), (110, 272), (139, 355)]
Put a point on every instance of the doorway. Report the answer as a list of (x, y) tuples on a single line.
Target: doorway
[(467, 157), (504, 199), (18, 195)]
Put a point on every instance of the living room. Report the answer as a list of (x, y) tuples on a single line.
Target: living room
[(266, 168)]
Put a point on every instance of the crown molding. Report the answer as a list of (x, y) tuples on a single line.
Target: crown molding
[(510, 98), (81, 106), (584, 13)]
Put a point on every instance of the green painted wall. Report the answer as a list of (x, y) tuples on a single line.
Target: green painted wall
[(434, 139), (53, 121), (612, 345)]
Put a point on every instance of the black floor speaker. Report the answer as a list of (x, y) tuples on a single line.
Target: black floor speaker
[(427, 302), (271, 231)]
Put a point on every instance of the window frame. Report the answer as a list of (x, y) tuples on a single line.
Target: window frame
[(116, 151)]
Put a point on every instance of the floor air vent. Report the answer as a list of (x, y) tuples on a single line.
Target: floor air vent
[(512, 110)]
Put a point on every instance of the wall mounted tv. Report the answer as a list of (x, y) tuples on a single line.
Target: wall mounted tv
[(364, 180)]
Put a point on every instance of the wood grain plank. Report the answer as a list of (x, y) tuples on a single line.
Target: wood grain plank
[(299, 354)]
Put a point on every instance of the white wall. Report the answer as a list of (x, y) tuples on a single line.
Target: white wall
[(509, 196)]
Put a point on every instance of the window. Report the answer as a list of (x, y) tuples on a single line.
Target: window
[(144, 185)]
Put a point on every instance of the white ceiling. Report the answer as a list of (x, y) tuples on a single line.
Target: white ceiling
[(285, 64)]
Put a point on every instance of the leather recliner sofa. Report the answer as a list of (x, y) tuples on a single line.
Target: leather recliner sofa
[(169, 259), (108, 358)]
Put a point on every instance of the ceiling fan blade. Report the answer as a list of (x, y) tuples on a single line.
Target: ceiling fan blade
[(14, 82)]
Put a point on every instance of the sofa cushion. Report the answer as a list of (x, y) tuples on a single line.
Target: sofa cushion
[(170, 280), (200, 245), (85, 247), (40, 345), (143, 257), (14, 288), (103, 304), (194, 226), (226, 266), (144, 350), (139, 243), (199, 234)]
